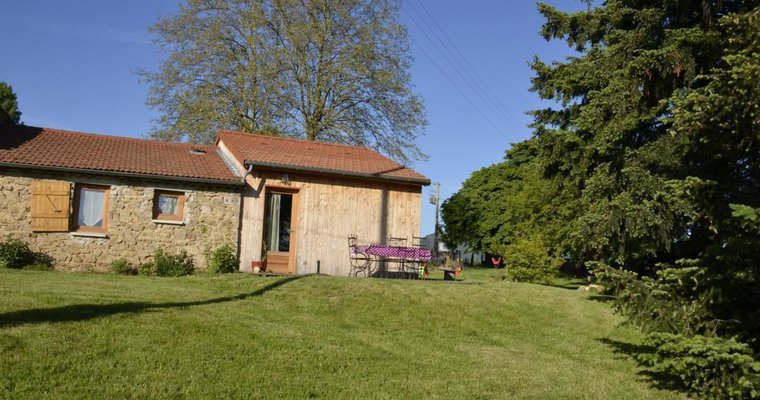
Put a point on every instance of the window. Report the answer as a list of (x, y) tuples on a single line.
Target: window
[(92, 208), (168, 205)]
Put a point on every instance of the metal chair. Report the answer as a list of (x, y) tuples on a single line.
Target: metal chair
[(417, 241), (396, 241), (360, 261), (403, 265)]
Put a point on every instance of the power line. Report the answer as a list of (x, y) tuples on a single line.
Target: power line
[(453, 61), (461, 70), (462, 75), (445, 75), (445, 58), (495, 100)]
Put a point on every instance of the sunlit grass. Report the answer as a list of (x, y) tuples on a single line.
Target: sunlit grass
[(481, 274), (67, 335)]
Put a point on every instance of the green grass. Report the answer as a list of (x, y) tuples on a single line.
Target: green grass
[(69, 335), (481, 274)]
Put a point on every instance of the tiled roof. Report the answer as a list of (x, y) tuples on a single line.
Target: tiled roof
[(53, 148), (316, 157)]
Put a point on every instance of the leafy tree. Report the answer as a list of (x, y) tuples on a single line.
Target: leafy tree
[(504, 208), (329, 70), (9, 102), (476, 213), (218, 72), (649, 162)]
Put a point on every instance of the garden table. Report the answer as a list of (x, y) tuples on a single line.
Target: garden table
[(410, 259), (406, 253)]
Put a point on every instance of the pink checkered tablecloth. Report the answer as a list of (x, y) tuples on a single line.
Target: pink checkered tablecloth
[(407, 253)]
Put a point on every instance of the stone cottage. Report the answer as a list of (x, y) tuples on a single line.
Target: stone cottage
[(87, 199)]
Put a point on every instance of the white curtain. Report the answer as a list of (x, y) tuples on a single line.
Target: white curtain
[(91, 207), (167, 205), (274, 222)]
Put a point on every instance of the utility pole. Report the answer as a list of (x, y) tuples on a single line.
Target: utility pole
[(435, 200)]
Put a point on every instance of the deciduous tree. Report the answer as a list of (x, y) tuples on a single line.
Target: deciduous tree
[(328, 70)]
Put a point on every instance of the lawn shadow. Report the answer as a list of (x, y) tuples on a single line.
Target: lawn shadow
[(569, 284), (634, 351), (84, 312), (602, 298)]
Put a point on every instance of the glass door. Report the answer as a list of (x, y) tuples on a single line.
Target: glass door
[(278, 226)]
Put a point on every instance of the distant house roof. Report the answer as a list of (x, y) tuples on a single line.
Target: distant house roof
[(44, 148), (316, 157)]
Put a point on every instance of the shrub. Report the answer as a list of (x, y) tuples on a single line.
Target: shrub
[(42, 261), (528, 260), (173, 264), (711, 368), (147, 269), (223, 260), (122, 267), (15, 253), (37, 266)]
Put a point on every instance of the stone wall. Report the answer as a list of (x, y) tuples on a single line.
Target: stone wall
[(210, 220)]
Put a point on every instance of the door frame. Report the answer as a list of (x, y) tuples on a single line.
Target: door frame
[(294, 216)]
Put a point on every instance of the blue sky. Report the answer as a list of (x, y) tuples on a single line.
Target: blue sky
[(72, 65)]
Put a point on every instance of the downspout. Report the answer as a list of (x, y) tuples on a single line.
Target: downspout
[(240, 211)]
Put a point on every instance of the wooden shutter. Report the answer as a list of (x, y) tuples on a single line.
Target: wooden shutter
[(50, 206)]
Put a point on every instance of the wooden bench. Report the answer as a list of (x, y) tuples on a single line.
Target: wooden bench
[(451, 274)]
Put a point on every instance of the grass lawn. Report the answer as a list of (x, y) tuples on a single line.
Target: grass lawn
[(481, 274), (77, 335)]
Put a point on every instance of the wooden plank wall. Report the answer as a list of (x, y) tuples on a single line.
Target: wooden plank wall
[(329, 210)]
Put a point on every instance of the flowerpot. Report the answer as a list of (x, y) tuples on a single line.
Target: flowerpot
[(259, 266)]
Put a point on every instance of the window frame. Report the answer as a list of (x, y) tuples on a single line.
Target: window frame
[(179, 216), (106, 206)]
